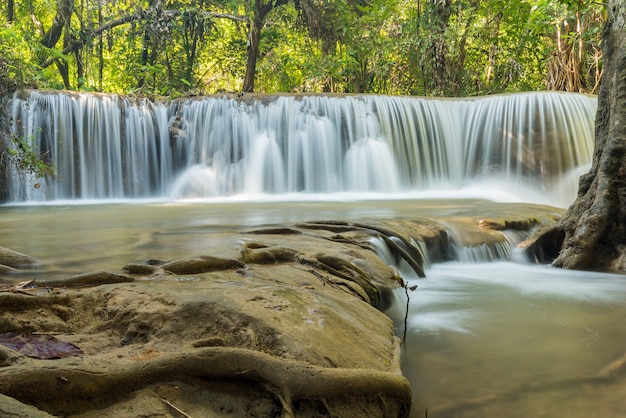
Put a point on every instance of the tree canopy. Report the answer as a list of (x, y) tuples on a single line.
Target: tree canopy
[(423, 47)]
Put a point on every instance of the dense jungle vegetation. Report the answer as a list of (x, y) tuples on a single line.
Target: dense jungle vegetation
[(416, 47)]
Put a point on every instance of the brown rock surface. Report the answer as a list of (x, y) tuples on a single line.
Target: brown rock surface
[(288, 324), (16, 259)]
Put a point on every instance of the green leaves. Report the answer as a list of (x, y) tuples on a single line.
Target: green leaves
[(25, 157), (451, 47)]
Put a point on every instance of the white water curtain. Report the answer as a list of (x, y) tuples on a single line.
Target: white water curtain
[(109, 147)]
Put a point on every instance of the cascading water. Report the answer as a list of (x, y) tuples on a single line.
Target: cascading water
[(103, 147), (110, 147)]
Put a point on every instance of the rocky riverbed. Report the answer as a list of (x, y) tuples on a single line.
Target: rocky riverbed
[(288, 323)]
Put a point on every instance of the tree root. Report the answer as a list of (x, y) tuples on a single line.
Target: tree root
[(10, 407), (68, 381), (544, 245), (398, 251)]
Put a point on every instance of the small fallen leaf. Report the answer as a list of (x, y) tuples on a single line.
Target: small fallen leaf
[(39, 346)]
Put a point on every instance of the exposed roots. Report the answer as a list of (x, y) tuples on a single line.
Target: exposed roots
[(68, 382)]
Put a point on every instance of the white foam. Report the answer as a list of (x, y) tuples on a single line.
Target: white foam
[(450, 298)]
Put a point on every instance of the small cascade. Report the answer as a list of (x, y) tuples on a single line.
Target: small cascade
[(393, 260), (112, 147), (505, 250), (497, 251), (488, 252), (102, 147), (197, 182), (264, 170)]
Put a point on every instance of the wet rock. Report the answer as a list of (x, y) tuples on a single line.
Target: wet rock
[(88, 279), (264, 254), (202, 264), (8, 270), (140, 269), (8, 357), (264, 335), (501, 224), (289, 323), (275, 231), (10, 407), (15, 259)]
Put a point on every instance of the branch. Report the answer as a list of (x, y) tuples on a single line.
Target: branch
[(138, 15)]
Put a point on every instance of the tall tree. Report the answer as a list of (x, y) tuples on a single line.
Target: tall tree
[(10, 14), (471, 46), (439, 20), (51, 37), (592, 233), (259, 10)]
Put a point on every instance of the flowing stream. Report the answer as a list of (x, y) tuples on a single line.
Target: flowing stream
[(488, 335), (510, 339)]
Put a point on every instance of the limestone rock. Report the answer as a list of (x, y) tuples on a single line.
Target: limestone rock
[(15, 259), (202, 264), (289, 323), (10, 407), (279, 335)]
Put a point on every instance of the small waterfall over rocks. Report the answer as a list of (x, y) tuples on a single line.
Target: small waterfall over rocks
[(112, 147)]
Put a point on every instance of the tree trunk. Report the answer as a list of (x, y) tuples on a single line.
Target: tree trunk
[(592, 233), (260, 10), (439, 47), (254, 38), (10, 11), (145, 55), (63, 13), (50, 38)]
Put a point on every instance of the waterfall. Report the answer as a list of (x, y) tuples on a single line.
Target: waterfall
[(113, 147)]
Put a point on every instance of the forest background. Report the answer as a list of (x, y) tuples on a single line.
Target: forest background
[(403, 47)]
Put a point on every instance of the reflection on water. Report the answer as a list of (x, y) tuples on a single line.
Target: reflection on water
[(71, 238), (514, 340), (484, 340)]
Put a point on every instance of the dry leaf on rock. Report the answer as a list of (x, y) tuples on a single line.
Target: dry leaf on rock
[(39, 346)]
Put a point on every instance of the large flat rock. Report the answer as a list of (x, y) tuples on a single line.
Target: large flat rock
[(289, 323)]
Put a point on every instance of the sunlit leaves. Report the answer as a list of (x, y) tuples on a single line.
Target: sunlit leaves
[(22, 156), (424, 47)]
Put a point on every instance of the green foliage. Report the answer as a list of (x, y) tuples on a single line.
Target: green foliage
[(573, 29), (423, 47), (22, 156), (17, 69)]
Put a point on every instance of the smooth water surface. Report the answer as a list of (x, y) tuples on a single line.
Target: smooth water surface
[(74, 238), (505, 339)]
